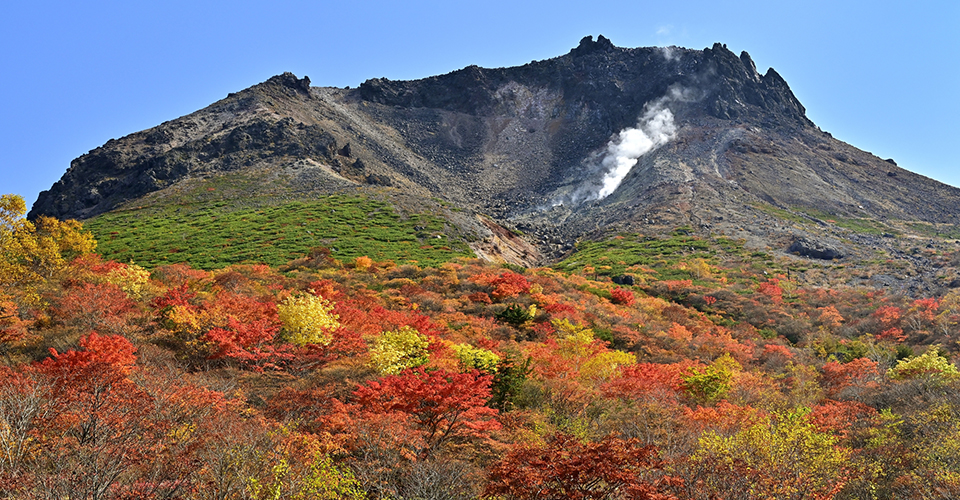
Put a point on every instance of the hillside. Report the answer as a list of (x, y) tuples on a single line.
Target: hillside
[(702, 370)]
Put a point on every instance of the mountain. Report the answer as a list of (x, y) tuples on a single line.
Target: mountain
[(601, 140)]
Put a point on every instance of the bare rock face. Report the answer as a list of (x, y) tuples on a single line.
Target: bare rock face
[(229, 135), (615, 82), (502, 245), (540, 147)]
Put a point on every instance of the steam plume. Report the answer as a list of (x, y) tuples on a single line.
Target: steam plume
[(668, 53), (606, 169), (654, 129)]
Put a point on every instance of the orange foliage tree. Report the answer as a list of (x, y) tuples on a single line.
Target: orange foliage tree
[(506, 284), (566, 468), (889, 318), (440, 406), (851, 380), (621, 296), (95, 306)]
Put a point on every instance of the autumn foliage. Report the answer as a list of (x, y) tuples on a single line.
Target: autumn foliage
[(441, 407), (564, 467), (706, 379)]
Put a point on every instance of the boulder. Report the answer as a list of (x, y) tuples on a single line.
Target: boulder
[(814, 249), (625, 279)]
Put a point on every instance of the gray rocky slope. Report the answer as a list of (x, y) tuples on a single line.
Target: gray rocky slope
[(530, 146)]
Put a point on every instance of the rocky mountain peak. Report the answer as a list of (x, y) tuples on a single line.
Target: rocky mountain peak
[(588, 45), (602, 138), (291, 81), (740, 91)]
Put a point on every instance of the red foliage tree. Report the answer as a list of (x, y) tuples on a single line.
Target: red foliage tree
[(366, 317), (242, 308), (480, 297), (889, 318), (309, 407), (86, 423), (842, 418), (566, 468), (776, 354), (771, 288), (12, 328), (90, 431), (559, 309), (506, 284), (245, 328), (94, 306), (723, 417), (442, 406), (675, 285), (621, 296), (179, 296), (850, 380), (104, 360), (248, 343), (925, 309), (649, 380), (177, 274)]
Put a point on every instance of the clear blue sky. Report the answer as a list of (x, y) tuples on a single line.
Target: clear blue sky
[(881, 75)]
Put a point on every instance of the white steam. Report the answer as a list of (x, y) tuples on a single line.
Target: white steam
[(603, 171), (668, 53), (654, 129)]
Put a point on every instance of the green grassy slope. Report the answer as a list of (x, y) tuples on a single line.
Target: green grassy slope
[(214, 234)]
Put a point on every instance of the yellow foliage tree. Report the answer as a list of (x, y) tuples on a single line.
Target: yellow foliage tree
[(713, 382), (184, 320), (700, 269), (307, 319), (574, 340), (12, 210), (131, 278), (784, 458), (321, 480), (937, 465), (477, 358), (929, 366), (362, 263), (31, 252), (596, 363), (605, 365), (394, 351)]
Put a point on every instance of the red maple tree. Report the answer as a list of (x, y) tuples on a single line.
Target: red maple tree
[(569, 469), (442, 406)]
